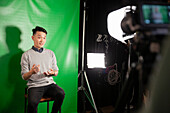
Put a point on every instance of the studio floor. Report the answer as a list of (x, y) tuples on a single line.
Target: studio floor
[(110, 109)]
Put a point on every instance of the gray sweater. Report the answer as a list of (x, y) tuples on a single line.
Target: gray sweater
[(46, 59)]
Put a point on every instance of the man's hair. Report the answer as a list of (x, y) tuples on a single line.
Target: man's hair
[(37, 28)]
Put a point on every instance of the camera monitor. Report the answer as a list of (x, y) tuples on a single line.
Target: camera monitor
[(155, 15)]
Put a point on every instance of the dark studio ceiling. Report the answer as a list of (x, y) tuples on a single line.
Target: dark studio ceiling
[(116, 4)]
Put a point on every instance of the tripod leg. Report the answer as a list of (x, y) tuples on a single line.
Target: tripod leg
[(90, 92)]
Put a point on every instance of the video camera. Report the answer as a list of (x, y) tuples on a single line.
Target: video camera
[(153, 17)]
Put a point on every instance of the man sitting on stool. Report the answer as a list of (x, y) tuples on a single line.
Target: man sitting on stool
[(38, 65)]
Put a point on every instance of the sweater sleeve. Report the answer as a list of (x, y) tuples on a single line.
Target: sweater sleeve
[(54, 62), (24, 64)]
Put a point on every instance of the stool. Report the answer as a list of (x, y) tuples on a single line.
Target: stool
[(43, 99)]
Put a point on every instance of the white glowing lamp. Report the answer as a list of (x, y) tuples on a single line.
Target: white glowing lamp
[(96, 60), (114, 24)]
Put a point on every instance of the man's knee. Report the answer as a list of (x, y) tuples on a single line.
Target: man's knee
[(32, 104), (61, 94)]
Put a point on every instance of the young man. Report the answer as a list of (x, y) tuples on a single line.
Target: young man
[(38, 65)]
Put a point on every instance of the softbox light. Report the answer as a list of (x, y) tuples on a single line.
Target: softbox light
[(114, 20)]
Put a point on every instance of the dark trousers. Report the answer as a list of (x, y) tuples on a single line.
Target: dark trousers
[(52, 90)]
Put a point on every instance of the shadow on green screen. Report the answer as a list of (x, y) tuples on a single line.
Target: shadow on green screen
[(13, 85)]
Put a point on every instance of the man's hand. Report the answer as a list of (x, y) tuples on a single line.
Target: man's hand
[(51, 73), (35, 69)]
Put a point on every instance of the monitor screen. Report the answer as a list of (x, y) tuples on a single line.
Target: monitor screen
[(155, 15), (96, 60)]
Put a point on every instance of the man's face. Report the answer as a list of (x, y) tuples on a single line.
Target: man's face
[(39, 39)]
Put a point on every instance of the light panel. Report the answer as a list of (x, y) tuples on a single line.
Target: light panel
[(96, 60)]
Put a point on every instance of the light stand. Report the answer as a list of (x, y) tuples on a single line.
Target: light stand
[(83, 72), (129, 84), (123, 98)]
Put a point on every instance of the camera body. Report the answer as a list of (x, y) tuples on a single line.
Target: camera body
[(152, 17)]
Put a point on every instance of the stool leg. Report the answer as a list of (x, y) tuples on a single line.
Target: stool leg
[(60, 110), (25, 110), (25, 106), (47, 106)]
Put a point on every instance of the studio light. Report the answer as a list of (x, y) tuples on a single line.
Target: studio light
[(96, 60), (114, 24)]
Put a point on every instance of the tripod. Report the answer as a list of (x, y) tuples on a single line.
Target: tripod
[(83, 72), (125, 94)]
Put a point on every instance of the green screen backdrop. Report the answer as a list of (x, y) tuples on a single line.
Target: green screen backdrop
[(61, 20)]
